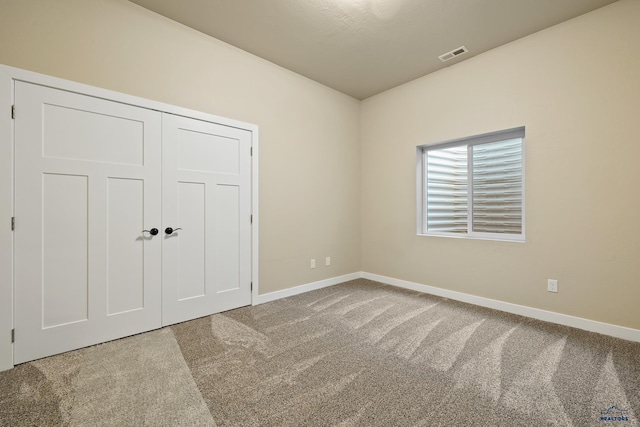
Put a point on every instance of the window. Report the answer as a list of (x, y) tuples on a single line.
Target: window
[(473, 187)]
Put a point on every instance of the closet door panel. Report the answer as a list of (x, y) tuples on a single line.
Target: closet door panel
[(207, 194), (87, 183)]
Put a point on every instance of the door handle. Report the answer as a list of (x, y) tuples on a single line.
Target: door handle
[(153, 231), (170, 230)]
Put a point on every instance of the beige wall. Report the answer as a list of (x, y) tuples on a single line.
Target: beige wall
[(309, 153), (576, 88)]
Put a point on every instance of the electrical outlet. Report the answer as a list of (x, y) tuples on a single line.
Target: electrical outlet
[(552, 285), (313, 263), (327, 261)]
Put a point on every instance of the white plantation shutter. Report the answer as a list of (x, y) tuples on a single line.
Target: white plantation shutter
[(473, 186), (497, 187)]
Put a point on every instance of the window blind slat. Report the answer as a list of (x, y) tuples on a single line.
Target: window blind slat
[(497, 187), (447, 190)]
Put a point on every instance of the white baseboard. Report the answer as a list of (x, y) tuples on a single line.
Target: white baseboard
[(272, 296), (623, 332), (535, 313)]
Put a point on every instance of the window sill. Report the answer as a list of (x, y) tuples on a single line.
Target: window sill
[(491, 237)]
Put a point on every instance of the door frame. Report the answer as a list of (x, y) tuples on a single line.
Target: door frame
[(8, 75)]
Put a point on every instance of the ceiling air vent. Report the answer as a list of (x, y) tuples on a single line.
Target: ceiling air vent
[(454, 53)]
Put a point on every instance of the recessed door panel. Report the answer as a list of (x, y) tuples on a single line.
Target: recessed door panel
[(64, 249), (125, 280), (227, 232), (84, 134), (207, 152), (191, 240)]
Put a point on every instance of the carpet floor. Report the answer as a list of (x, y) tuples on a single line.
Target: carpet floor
[(355, 354)]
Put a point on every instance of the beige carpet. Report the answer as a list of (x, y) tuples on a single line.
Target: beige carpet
[(356, 354)]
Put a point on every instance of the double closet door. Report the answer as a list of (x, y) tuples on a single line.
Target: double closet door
[(127, 219)]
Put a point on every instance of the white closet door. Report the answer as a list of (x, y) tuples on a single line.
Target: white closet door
[(207, 194), (87, 184)]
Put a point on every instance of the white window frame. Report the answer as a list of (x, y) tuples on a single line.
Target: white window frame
[(421, 197)]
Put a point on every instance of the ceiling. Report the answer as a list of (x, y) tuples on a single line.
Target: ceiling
[(363, 47)]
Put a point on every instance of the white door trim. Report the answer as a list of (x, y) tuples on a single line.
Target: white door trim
[(6, 212), (7, 77)]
